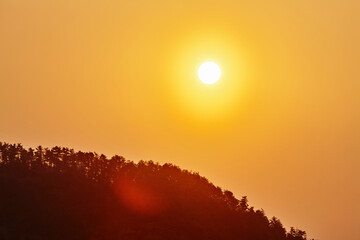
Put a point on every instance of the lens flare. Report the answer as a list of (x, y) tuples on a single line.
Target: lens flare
[(139, 197)]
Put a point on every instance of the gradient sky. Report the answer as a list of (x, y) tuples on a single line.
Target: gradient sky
[(282, 126)]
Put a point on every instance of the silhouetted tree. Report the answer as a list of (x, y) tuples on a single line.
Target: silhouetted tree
[(58, 193)]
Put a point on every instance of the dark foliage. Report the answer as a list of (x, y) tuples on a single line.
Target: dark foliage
[(62, 194)]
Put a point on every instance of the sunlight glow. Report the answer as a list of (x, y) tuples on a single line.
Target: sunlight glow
[(209, 72), (208, 78)]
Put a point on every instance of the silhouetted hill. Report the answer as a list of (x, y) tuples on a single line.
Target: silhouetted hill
[(62, 194)]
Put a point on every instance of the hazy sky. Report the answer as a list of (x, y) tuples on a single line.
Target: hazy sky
[(282, 125)]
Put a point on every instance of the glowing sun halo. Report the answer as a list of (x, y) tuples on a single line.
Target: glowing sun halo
[(209, 72)]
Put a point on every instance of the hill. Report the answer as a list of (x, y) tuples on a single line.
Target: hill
[(58, 193)]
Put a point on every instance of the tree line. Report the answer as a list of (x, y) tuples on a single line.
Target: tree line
[(60, 193)]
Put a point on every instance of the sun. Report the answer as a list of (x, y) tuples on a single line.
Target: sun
[(209, 72)]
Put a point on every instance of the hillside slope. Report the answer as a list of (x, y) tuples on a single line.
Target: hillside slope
[(62, 194)]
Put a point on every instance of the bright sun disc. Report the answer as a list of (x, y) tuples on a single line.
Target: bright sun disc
[(209, 72)]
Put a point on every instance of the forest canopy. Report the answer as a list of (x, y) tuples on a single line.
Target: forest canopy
[(60, 193)]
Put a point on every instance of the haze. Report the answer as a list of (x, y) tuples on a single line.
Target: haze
[(109, 76)]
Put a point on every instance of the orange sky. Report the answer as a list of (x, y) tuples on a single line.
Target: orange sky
[(282, 126)]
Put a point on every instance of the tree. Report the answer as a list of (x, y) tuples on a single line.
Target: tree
[(58, 193)]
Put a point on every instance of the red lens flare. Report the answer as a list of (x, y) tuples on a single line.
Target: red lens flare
[(139, 197)]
